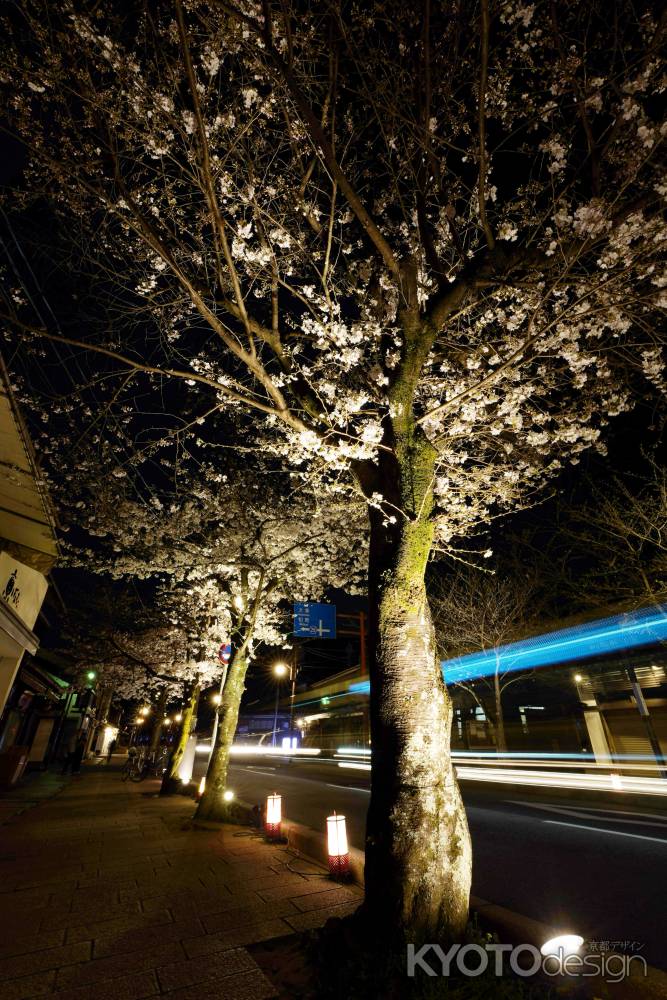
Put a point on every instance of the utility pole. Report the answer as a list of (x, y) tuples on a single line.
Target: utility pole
[(293, 674), (642, 708)]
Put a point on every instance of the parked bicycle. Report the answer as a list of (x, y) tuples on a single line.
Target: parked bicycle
[(140, 765)]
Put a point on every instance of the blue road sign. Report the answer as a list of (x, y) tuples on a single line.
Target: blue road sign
[(225, 653), (315, 620)]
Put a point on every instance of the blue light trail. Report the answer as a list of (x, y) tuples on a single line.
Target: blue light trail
[(598, 638)]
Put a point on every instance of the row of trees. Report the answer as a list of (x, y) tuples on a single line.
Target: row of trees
[(420, 248)]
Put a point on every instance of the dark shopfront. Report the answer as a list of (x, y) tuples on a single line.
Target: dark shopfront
[(33, 713)]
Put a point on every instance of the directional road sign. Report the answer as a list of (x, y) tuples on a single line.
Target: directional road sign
[(315, 620)]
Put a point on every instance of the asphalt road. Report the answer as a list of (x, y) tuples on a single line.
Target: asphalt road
[(595, 868)]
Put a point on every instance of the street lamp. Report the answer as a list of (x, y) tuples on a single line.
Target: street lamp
[(144, 711), (280, 670), (178, 717), (91, 675)]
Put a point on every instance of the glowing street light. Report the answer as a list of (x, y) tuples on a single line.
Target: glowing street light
[(280, 670), (562, 946), (337, 849), (228, 795), (178, 717), (217, 699), (166, 721), (578, 678), (144, 711), (139, 721), (91, 675), (273, 816)]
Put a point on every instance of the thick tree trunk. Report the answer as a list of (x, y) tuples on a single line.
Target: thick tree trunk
[(418, 854), (212, 806), (172, 782)]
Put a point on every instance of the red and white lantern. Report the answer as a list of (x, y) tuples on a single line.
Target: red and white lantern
[(339, 854), (273, 816)]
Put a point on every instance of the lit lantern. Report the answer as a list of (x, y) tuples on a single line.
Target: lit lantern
[(202, 786), (273, 817), (339, 857)]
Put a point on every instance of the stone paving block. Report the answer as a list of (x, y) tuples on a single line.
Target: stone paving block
[(100, 969), (316, 900), (28, 986), (244, 986), (199, 903), (22, 900), (146, 937), (208, 967), (124, 988), (40, 961), (229, 919), (318, 918), (13, 942), (119, 925), (264, 930), (80, 918), (298, 887), (124, 881)]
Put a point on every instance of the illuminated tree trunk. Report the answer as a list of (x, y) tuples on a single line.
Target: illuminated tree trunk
[(212, 805), (156, 732), (171, 780), (418, 853)]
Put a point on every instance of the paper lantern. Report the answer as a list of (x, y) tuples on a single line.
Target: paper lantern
[(273, 816), (339, 856)]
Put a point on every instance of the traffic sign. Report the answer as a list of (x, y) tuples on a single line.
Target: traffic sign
[(225, 652), (313, 620)]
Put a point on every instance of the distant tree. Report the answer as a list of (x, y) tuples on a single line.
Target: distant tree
[(228, 553), (422, 245), (613, 545), (475, 610)]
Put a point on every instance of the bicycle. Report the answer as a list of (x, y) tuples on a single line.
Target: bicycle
[(129, 765), (145, 765)]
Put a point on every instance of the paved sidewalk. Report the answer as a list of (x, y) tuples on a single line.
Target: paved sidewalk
[(34, 787), (105, 896)]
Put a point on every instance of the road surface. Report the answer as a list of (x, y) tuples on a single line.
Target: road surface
[(596, 869)]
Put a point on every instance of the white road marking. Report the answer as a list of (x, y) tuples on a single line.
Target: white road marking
[(350, 788), (590, 813), (614, 833)]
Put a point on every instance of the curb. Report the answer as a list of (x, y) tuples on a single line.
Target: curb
[(509, 926)]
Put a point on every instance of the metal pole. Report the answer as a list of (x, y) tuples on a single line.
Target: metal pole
[(294, 671), (216, 720), (362, 642), (275, 715), (642, 708)]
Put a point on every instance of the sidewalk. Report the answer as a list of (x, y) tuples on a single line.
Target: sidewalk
[(34, 787), (104, 896)]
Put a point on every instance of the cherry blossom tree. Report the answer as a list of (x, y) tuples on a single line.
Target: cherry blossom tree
[(423, 245), (228, 552)]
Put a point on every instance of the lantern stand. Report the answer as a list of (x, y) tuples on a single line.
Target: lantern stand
[(273, 818), (337, 849)]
